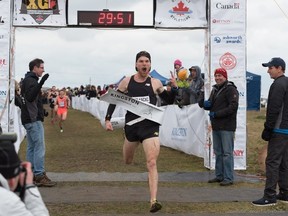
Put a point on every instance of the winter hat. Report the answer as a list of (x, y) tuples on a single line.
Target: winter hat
[(221, 71), (178, 62), (9, 160), (143, 53)]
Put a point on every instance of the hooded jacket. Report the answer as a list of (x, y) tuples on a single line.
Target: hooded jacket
[(196, 86), (32, 106), (10, 203)]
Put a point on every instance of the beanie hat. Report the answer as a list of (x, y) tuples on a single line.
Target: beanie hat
[(221, 71), (178, 62), (9, 160), (143, 53), (182, 74)]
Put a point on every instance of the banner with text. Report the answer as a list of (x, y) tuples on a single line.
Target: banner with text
[(40, 13), (181, 14), (228, 50), (5, 26)]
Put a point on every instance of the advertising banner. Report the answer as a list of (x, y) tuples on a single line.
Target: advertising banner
[(4, 62), (228, 50), (228, 16), (40, 13), (181, 14)]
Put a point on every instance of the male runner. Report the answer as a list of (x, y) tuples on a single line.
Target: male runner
[(142, 87)]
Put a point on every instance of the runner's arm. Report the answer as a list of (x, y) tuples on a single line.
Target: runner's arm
[(121, 88)]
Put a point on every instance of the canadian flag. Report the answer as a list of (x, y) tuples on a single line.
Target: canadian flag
[(181, 14)]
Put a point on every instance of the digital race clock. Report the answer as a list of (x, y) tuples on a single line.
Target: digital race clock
[(106, 18)]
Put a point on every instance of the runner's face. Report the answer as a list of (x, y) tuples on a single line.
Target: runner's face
[(143, 66), (61, 94)]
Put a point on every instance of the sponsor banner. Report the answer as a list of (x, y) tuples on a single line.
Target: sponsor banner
[(5, 25), (180, 14), (40, 13), (228, 40), (228, 50), (144, 110), (4, 103), (4, 16), (228, 16), (4, 62), (182, 129), (229, 56)]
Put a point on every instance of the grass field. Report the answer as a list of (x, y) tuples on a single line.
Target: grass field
[(85, 146)]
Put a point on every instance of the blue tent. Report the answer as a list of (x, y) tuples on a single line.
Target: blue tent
[(253, 82), (156, 75)]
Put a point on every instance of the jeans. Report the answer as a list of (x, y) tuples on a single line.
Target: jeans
[(35, 153), (277, 165), (223, 146)]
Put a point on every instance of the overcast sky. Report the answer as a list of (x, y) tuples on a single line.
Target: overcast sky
[(75, 57)]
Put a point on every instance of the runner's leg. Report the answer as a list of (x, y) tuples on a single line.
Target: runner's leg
[(129, 150), (152, 149)]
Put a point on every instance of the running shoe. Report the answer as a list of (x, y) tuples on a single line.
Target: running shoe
[(61, 129), (155, 206)]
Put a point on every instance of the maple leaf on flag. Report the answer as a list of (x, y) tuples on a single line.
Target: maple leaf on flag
[(180, 8)]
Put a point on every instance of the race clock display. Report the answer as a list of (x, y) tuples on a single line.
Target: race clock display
[(106, 18)]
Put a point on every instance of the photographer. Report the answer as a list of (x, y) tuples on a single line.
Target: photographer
[(17, 177)]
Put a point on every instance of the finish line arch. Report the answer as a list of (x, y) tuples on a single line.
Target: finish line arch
[(225, 46)]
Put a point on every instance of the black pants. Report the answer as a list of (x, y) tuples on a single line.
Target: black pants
[(277, 165)]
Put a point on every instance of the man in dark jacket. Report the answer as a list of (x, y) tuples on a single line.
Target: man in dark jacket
[(32, 116), (276, 133), (223, 106)]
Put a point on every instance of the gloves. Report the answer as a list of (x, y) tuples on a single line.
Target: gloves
[(267, 134), (212, 115), (207, 104), (44, 78)]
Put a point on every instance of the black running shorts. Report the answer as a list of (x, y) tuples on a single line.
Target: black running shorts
[(139, 132)]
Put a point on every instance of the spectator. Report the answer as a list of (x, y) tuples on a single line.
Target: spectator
[(17, 100), (81, 91), (177, 67), (92, 93), (196, 84), (12, 174), (223, 106), (276, 133), (182, 97), (32, 117)]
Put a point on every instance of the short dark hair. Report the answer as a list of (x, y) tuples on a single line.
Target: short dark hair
[(143, 53), (35, 62)]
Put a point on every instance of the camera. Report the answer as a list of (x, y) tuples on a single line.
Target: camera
[(7, 146), (20, 189)]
